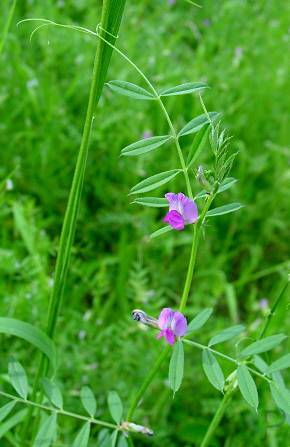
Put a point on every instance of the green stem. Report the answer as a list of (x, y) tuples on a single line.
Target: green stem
[(155, 368), (272, 311), (227, 397), (112, 12), (60, 411), (7, 25), (192, 260), (190, 271), (217, 418), (163, 108)]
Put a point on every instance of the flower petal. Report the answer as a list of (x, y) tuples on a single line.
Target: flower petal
[(172, 200), (165, 318), (188, 208), (175, 220), (179, 324), (161, 334), (169, 335)]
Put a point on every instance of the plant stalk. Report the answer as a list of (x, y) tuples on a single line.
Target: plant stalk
[(217, 418), (112, 12), (7, 25), (192, 261), (272, 311)]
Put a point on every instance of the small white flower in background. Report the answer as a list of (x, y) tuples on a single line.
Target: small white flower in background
[(263, 304), (87, 315), (50, 282), (93, 366), (32, 83), (238, 56), (9, 184), (82, 335), (79, 59)]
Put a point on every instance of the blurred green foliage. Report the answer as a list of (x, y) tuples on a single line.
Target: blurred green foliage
[(240, 48)]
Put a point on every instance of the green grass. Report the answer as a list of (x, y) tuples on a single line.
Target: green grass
[(115, 268)]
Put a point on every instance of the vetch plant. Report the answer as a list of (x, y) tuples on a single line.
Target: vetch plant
[(189, 210)]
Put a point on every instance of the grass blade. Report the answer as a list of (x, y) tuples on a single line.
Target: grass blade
[(31, 334)]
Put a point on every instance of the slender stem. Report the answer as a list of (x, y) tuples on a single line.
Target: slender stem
[(110, 8), (192, 260), (59, 411), (217, 418), (155, 368), (272, 311), (190, 271), (227, 397), (163, 108), (7, 26)]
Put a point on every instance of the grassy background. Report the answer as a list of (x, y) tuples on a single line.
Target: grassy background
[(240, 49)]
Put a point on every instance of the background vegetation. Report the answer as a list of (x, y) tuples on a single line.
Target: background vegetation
[(240, 48)]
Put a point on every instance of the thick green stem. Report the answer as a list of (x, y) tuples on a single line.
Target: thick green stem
[(217, 418)]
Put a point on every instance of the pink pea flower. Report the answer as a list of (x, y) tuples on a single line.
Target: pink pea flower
[(172, 324), (182, 210)]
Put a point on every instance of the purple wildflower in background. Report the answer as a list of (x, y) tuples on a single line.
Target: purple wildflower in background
[(263, 303), (171, 2), (172, 324), (147, 134), (206, 22), (182, 210)]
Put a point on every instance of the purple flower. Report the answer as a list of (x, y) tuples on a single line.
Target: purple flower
[(239, 52), (172, 324), (182, 210), (147, 134), (263, 303), (206, 22)]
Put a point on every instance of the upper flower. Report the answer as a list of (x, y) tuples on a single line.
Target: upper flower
[(182, 210), (172, 324)]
